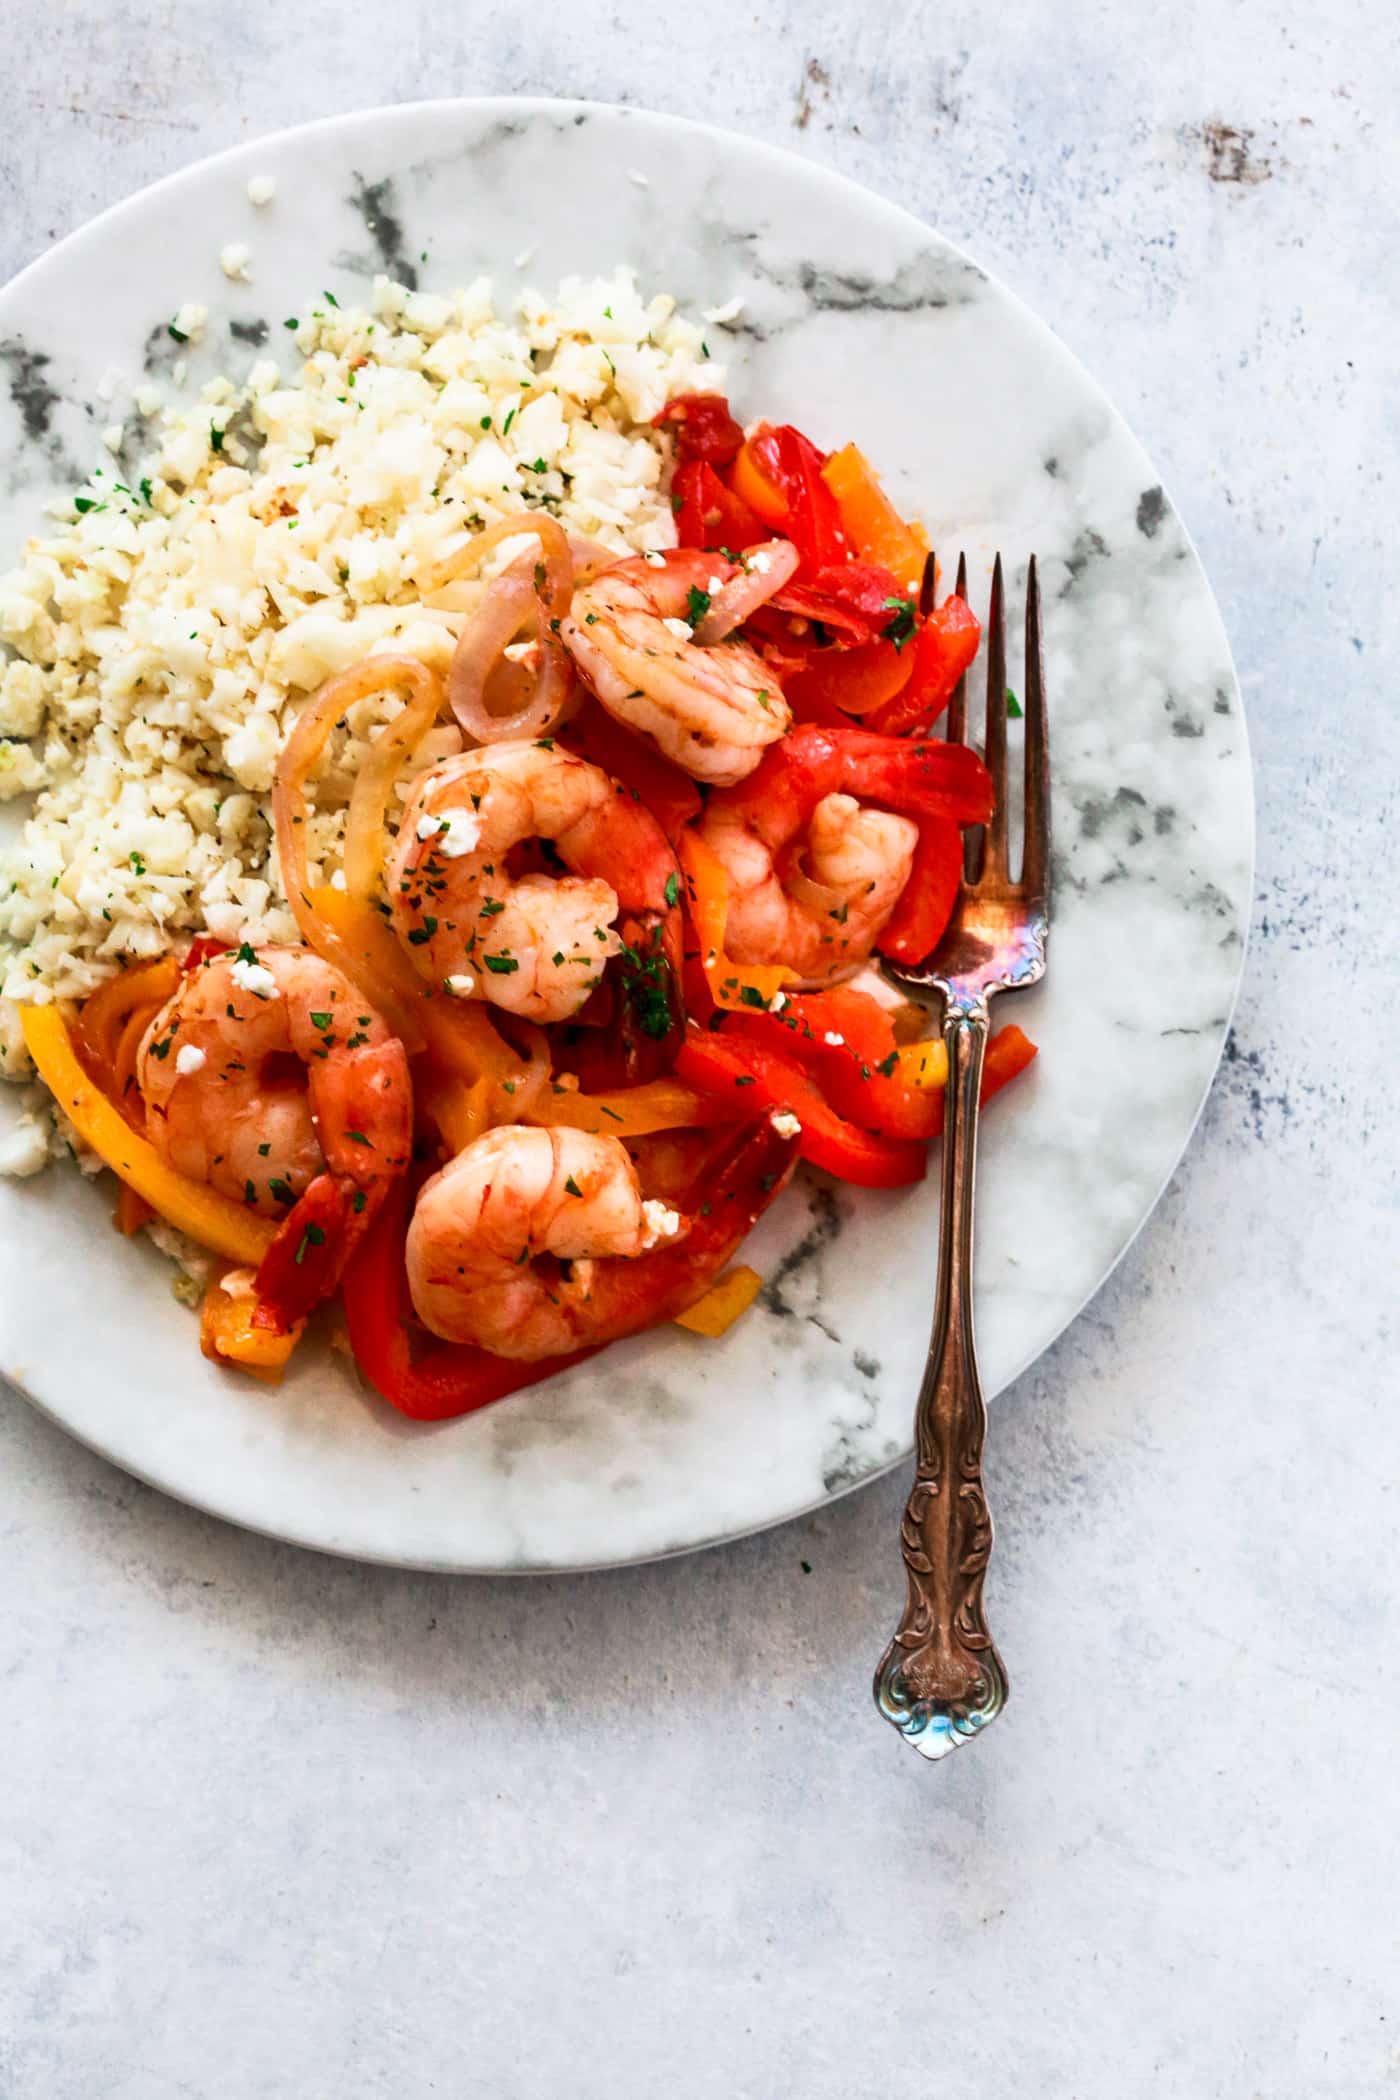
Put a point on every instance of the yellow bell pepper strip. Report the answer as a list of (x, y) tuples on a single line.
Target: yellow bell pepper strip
[(727, 1298), (923, 1065), (872, 525), (229, 1334), (707, 898), (106, 1013), (635, 1111), (211, 1219)]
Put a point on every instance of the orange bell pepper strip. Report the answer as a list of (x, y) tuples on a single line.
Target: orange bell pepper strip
[(724, 1302), (855, 681), (635, 1111), (707, 898), (229, 1334), (872, 525), (208, 1217)]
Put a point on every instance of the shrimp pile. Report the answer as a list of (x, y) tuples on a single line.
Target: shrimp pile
[(475, 1097)]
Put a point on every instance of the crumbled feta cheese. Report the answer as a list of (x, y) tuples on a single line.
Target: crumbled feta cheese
[(428, 826), (662, 1223), (188, 321), (759, 562), (714, 584), (836, 1041), (234, 258), (261, 189), (239, 1283), (461, 985), (654, 558), (460, 831), (777, 1002), (786, 1123), (189, 1058), (338, 879), (723, 315), (113, 436), (254, 977), (148, 400), (681, 629)]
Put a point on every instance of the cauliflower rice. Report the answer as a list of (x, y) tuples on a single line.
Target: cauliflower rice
[(163, 636)]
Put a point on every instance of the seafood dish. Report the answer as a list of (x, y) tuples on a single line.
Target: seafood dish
[(467, 782)]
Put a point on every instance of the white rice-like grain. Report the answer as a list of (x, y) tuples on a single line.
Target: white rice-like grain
[(160, 641)]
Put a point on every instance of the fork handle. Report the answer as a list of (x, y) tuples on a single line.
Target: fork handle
[(941, 1680)]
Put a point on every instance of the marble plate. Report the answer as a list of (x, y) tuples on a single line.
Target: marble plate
[(857, 321)]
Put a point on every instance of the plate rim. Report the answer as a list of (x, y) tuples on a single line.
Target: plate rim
[(819, 172)]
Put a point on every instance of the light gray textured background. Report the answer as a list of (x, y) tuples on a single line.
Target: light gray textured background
[(276, 1826)]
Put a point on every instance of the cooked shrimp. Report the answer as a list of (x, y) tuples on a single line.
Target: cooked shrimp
[(631, 630), (267, 1065), (534, 1243), (535, 944), (817, 849)]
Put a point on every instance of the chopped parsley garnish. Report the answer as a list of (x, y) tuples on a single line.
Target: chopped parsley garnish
[(178, 333), (83, 504), (250, 1192), (162, 1049), (357, 1137), (899, 628), (263, 1151), (312, 1237), (330, 300), (672, 891), (750, 995), (697, 604), (747, 1080), (145, 487), (281, 1192), (501, 965), (491, 906), (418, 935), (216, 437), (572, 1187), (505, 427), (1013, 706), (358, 1201), (137, 863), (321, 1021), (886, 1066), (246, 954)]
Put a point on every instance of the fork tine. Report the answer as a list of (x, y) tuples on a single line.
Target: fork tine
[(994, 855), (955, 728), (1035, 867), (928, 585)]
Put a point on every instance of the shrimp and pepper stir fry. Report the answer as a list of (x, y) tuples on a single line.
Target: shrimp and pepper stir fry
[(580, 1000)]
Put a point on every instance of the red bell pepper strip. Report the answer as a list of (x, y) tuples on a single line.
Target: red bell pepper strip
[(925, 904), (845, 1040), (778, 473), (720, 1062), (856, 600), (702, 427), (746, 1171), (203, 948), (670, 795), (834, 684), (304, 1262), (943, 648), (709, 514), (860, 1074)]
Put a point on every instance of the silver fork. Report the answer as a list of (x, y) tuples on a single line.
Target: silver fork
[(941, 1680)]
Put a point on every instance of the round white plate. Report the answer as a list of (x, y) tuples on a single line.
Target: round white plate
[(857, 322)]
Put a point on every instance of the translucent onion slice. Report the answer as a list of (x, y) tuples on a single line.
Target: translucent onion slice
[(763, 571)]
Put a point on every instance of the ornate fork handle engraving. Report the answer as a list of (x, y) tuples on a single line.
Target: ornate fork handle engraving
[(941, 1680)]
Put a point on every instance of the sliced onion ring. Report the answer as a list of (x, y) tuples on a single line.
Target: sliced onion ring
[(542, 585), (753, 583)]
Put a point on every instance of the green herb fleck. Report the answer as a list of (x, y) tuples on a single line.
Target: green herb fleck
[(901, 626), (501, 965), (1013, 706), (572, 1187), (697, 604), (672, 891)]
